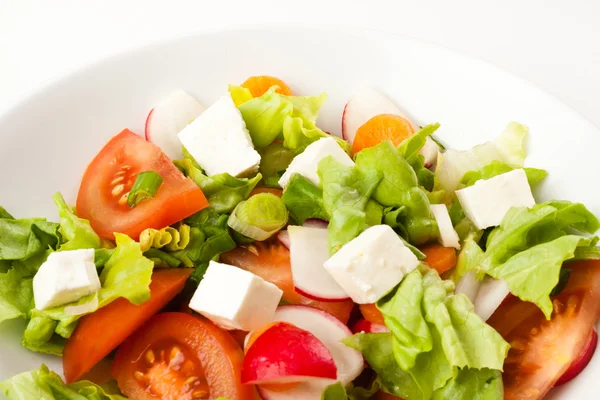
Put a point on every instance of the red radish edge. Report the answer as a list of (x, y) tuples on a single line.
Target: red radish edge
[(324, 300), (146, 133), (315, 223), (284, 238), (584, 359), (285, 353), (362, 325), (313, 389)]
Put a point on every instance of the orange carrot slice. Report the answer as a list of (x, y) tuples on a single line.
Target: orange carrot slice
[(258, 85), (439, 257), (379, 128), (371, 313)]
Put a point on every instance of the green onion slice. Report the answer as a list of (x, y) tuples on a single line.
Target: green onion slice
[(145, 187), (259, 217)]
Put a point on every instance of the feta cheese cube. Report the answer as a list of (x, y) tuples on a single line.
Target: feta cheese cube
[(65, 277), (372, 264), (219, 141), (235, 298), (307, 162), (448, 236), (487, 201)]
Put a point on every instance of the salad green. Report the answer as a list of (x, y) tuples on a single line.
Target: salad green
[(425, 336)]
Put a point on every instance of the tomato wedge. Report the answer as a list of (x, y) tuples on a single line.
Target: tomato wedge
[(99, 333), (179, 356), (271, 261), (541, 351), (102, 197)]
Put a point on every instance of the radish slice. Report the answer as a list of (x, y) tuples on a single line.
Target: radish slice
[(168, 118), (582, 362), (315, 223), (309, 249), (430, 151), (328, 330), (469, 286), (284, 238), (285, 353), (448, 235), (492, 293), (362, 325), (368, 103)]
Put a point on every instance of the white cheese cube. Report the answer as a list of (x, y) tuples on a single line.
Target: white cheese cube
[(448, 236), (65, 277), (307, 162), (219, 141), (372, 264), (234, 298), (487, 201)]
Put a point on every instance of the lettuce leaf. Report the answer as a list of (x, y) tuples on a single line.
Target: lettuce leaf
[(23, 238), (222, 191), (346, 191), (529, 247), (44, 384), (495, 168), (274, 160), (126, 274), (508, 148), (399, 187), (16, 293), (436, 343), (76, 232), (337, 391), (434, 334), (304, 200), (409, 149)]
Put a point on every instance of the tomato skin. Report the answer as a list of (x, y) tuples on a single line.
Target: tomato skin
[(110, 175), (271, 261), (97, 334), (213, 350), (541, 351)]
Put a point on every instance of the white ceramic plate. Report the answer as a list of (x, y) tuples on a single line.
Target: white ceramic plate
[(46, 142)]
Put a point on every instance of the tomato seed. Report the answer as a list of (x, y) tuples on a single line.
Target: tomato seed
[(117, 190), (200, 394), (150, 357), (117, 180)]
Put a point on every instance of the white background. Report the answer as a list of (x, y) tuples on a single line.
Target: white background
[(553, 43)]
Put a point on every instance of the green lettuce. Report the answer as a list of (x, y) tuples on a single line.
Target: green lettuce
[(76, 232), (430, 326), (346, 192), (127, 274), (495, 168), (24, 238), (529, 247), (274, 160), (399, 187), (508, 148), (44, 384), (304, 200), (409, 149), (222, 191), (467, 383), (337, 391)]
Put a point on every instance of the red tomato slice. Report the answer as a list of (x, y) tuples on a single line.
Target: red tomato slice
[(541, 351), (99, 333), (102, 197), (271, 261), (179, 356)]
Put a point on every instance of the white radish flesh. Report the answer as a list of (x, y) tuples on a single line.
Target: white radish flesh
[(309, 249), (491, 294), (168, 118), (448, 236), (328, 330)]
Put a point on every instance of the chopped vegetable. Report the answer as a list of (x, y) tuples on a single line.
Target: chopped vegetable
[(381, 128), (145, 187), (259, 85), (259, 217)]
